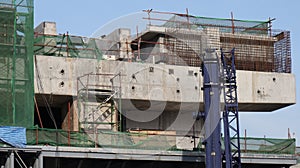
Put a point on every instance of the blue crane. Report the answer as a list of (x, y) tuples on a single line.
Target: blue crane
[(212, 88), (211, 93), (230, 113)]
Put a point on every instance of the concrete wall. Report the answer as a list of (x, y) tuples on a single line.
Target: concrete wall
[(58, 75), (48, 28), (117, 44)]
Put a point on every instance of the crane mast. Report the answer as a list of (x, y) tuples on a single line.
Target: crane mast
[(230, 113), (212, 89)]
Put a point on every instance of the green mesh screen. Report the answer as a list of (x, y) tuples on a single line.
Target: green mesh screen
[(224, 25), (126, 140), (267, 145), (16, 63), (66, 45), (298, 154), (110, 139)]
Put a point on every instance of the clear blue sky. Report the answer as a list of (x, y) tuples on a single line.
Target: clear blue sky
[(84, 17)]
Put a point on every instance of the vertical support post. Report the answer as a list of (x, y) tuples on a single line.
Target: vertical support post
[(67, 44), (270, 27), (188, 18), (37, 136), (139, 50), (122, 121), (211, 86), (96, 141), (87, 96), (232, 22), (38, 112), (114, 118), (149, 18), (7, 162), (94, 129), (127, 51), (69, 124), (36, 163), (13, 77), (40, 160), (245, 141), (194, 137), (138, 42), (12, 160)]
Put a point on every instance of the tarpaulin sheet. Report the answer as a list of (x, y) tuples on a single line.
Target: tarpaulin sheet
[(14, 136)]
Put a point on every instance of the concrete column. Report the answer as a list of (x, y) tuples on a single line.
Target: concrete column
[(10, 161), (6, 163), (38, 161)]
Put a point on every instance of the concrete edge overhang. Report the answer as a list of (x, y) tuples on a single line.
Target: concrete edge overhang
[(147, 155)]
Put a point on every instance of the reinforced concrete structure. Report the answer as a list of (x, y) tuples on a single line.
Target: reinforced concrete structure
[(129, 99)]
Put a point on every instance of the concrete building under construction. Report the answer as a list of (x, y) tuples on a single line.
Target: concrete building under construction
[(129, 98)]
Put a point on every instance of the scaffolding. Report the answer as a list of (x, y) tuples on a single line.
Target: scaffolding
[(67, 45), (96, 102), (179, 39), (16, 63), (258, 47)]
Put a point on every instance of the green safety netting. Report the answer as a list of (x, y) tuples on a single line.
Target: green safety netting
[(66, 45), (16, 63), (267, 145), (111, 139), (126, 140), (224, 25), (298, 154)]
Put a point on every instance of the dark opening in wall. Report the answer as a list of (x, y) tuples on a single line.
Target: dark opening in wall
[(51, 108), (151, 69), (62, 71), (46, 119)]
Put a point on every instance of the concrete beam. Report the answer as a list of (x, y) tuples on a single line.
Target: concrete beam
[(257, 91), (280, 159), (122, 154)]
